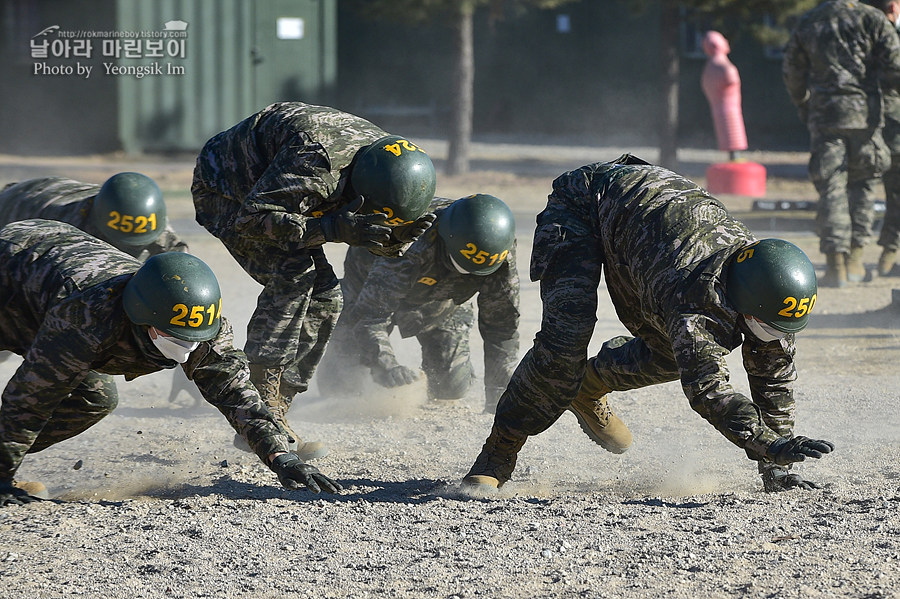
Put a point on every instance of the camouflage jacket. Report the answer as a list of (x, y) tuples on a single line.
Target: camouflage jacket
[(69, 201), (276, 172), (61, 297), (665, 244), (420, 290), (838, 56)]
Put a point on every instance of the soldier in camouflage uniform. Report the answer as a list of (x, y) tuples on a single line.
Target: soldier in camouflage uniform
[(127, 211), (78, 311), (889, 240), (839, 56), (274, 189), (690, 283), (427, 293)]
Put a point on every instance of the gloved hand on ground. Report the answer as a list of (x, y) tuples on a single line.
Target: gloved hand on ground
[(294, 474)]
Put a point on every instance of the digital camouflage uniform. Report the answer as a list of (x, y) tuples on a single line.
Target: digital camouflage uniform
[(890, 231), (664, 243), (260, 187), (68, 201), (838, 56), (62, 311), (423, 295)]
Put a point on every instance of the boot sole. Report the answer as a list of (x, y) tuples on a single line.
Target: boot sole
[(586, 428)]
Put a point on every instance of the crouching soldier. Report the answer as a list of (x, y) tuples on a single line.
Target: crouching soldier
[(79, 311), (469, 251), (128, 211), (274, 189), (691, 284)]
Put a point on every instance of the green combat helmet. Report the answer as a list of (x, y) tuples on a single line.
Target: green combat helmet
[(176, 293), (774, 281), (129, 210), (396, 178), (478, 232)]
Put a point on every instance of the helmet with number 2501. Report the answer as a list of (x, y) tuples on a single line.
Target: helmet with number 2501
[(774, 281)]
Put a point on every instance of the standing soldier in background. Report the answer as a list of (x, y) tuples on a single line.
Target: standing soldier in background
[(690, 283), (274, 189), (889, 240), (839, 56), (469, 250), (79, 311), (127, 211)]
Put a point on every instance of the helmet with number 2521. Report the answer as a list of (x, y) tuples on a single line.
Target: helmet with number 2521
[(774, 281), (177, 294), (129, 210)]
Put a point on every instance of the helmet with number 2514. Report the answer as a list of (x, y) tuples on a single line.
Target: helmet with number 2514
[(177, 294)]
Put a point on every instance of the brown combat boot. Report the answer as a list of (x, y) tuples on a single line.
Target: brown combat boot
[(856, 270), (835, 270), (268, 382), (597, 420), (496, 462), (886, 262), (33, 488)]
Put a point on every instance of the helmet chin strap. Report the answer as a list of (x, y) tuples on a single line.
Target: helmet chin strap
[(762, 331), (458, 268)]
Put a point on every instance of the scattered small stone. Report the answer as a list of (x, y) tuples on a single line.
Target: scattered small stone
[(78, 465)]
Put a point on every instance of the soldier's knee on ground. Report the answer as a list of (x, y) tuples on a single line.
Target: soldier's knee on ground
[(451, 385)]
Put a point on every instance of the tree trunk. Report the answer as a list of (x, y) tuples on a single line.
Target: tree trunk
[(669, 73), (463, 79)]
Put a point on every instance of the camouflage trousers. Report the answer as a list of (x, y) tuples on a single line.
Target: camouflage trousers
[(845, 166), (91, 401), (446, 358), (300, 302), (889, 238)]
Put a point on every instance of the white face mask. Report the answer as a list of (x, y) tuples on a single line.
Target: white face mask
[(172, 348), (762, 331), (459, 268)]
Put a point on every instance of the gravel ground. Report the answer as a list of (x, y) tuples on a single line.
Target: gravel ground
[(156, 502)]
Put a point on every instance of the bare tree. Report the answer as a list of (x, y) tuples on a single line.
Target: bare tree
[(459, 14)]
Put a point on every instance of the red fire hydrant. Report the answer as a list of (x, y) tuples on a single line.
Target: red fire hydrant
[(722, 87)]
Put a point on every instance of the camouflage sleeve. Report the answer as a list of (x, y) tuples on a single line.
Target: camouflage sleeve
[(498, 323), (53, 366), (886, 53), (298, 175), (770, 369), (795, 71), (167, 241), (222, 375), (388, 282), (705, 381)]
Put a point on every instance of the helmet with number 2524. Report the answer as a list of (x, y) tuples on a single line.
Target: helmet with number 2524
[(177, 294), (396, 178), (774, 281)]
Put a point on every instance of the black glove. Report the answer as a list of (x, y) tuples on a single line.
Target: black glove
[(776, 478), (10, 495), (292, 473), (364, 230), (787, 451), (396, 376), (411, 232)]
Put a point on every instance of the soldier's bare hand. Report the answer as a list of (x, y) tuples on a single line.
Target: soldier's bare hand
[(397, 376)]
